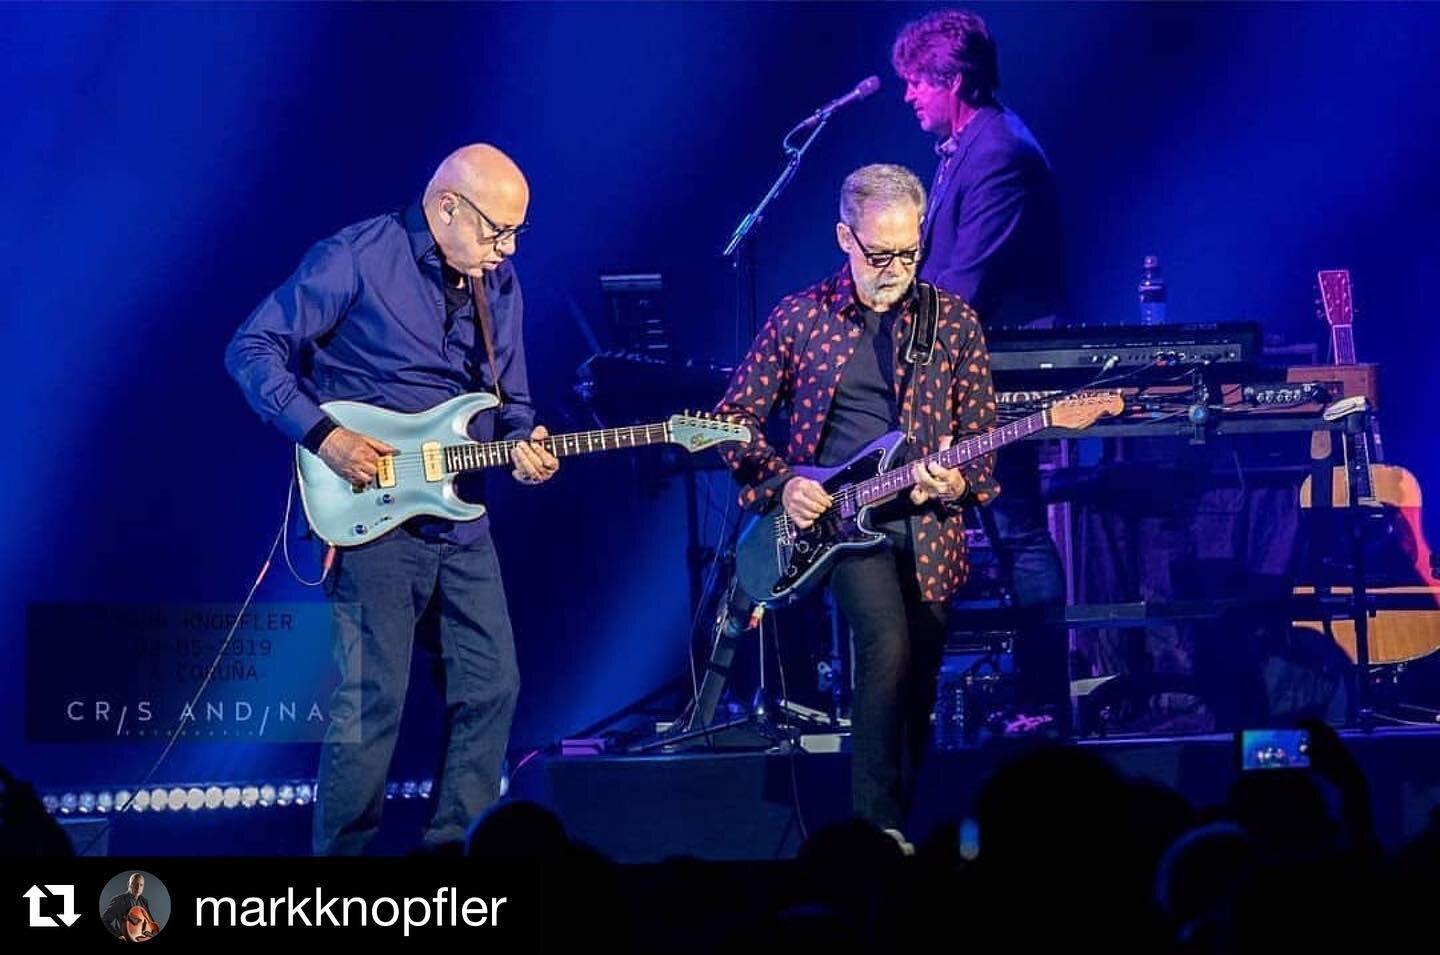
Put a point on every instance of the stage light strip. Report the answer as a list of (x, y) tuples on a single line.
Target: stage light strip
[(196, 797)]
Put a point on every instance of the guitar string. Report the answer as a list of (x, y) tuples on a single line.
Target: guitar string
[(412, 461), (850, 493)]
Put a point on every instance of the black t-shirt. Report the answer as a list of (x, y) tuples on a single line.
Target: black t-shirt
[(864, 405), (864, 409)]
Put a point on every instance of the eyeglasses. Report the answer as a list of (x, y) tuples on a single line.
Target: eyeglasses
[(882, 260), (498, 234)]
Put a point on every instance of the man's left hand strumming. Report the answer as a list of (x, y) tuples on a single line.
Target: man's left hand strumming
[(533, 463), (933, 481)]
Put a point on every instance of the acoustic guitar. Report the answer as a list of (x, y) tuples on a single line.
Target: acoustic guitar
[(139, 926), (1398, 558)]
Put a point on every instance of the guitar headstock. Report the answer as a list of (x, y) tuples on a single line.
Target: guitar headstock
[(1336, 303), (698, 430), (1083, 410)]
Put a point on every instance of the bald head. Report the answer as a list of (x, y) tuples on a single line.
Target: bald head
[(473, 184)]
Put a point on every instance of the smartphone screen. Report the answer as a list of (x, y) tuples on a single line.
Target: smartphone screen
[(1273, 749)]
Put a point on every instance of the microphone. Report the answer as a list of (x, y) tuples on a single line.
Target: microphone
[(866, 86)]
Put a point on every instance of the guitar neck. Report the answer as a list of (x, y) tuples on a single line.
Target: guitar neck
[(475, 455), (1357, 463), (890, 483), (1342, 344)]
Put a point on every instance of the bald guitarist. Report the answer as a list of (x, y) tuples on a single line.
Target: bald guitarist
[(404, 311)]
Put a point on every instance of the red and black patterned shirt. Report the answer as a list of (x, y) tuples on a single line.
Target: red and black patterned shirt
[(796, 362)]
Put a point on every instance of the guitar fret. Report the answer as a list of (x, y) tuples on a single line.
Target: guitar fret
[(460, 457), (894, 481)]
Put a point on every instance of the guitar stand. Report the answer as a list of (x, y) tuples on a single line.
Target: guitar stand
[(1360, 711), (761, 728)]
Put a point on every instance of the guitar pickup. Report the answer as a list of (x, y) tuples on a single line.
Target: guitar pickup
[(434, 460), (385, 471)]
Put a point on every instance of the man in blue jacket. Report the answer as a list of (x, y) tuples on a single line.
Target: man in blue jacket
[(391, 311), (992, 235)]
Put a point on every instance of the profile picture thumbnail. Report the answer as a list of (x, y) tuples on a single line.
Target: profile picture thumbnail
[(134, 906)]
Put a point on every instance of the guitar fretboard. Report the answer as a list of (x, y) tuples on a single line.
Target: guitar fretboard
[(893, 482), (1342, 343), (490, 454), (1358, 463)]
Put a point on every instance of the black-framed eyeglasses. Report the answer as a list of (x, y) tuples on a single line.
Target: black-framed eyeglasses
[(498, 234), (882, 260)]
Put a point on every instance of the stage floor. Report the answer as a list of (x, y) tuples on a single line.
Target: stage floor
[(743, 805)]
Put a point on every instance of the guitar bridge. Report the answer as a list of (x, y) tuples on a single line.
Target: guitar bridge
[(785, 533)]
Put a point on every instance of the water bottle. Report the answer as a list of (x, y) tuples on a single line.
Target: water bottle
[(1152, 292)]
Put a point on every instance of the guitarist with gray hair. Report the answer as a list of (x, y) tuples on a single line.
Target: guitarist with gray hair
[(402, 312), (866, 352)]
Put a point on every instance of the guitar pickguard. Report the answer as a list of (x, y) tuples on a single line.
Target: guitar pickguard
[(798, 557)]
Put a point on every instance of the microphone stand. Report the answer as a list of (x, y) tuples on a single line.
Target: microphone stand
[(740, 251)]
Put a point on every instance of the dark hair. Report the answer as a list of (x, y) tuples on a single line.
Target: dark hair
[(949, 43)]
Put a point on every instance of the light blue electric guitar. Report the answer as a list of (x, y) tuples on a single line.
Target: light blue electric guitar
[(434, 447)]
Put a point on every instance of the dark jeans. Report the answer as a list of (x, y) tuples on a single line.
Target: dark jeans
[(378, 592), (1019, 531), (899, 638)]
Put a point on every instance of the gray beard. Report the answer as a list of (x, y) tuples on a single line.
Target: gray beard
[(882, 298)]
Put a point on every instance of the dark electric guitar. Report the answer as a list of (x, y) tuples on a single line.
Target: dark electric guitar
[(776, 562)]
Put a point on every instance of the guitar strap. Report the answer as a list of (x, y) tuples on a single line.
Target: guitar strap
[(920, 349), (482, 319)]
